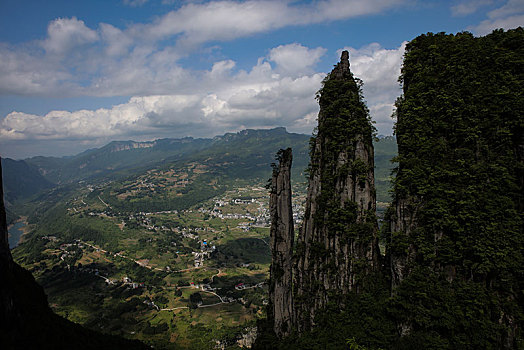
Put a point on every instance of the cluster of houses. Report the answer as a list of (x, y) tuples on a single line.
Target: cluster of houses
[(65, 249), (203, 286), (133, 285), (151, 304), (146, 184), (91, 187), (206, 248), (104, 213), (261, 220), (242, 286), (298, 213)]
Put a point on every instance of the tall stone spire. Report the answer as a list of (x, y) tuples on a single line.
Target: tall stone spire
[(337, 245), (282, 236)]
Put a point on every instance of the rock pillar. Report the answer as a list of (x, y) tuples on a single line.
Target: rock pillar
[(337, 245), (282, 236)]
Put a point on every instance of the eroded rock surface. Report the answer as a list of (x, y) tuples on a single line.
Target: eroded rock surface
[(337, 245), (282, 237)]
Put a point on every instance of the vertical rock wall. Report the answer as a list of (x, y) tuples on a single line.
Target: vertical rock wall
[(337, 245), (282, 236), (456, 224)]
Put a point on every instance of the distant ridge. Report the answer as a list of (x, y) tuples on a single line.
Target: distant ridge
[(22, 180), (120, 155)]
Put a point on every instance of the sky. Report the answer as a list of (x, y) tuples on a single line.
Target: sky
[(77, 74)]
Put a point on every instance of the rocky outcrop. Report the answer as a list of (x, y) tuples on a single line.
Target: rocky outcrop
[(403, 221), (119, 146), (455, 228), (337, 245), (282, 237)]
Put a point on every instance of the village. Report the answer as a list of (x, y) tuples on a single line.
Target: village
[(206, 248), (208, 260), (67, 250)]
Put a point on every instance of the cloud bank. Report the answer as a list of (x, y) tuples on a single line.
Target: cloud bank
[(75, 60), (261, 97), (143, 60), (146, 61), (278, 90)]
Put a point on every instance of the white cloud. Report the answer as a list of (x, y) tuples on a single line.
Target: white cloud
[(145, 60), (116, 41), (255, 98), (24, 74), (221, 68), (91, 124), (485, 27), (512, 7), (66, 34), (379, 69), (226, 20), (217, 20), (109, 61), (508, 16), (468, 7), (294, 58)]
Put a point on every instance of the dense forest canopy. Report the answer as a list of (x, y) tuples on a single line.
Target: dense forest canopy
[(459, 181)]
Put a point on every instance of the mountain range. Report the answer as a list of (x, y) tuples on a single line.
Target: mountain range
[(247, 154)]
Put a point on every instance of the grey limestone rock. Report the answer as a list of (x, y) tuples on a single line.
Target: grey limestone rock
[(337, 245), (282, 236)]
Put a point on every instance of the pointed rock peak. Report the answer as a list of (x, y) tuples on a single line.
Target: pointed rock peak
[(344, 57), (342, 68)]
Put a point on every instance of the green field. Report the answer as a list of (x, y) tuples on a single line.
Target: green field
[(87, 255)]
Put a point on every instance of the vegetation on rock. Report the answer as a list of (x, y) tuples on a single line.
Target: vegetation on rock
[(453, 270)]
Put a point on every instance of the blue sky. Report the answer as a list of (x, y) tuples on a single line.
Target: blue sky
[(78, 74)]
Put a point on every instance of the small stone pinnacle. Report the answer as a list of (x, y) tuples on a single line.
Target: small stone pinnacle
[(342, 68), (344, 56)]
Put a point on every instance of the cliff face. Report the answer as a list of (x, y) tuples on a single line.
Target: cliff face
[(456, 226), (282, 236), (337, 246)]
